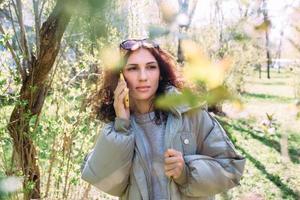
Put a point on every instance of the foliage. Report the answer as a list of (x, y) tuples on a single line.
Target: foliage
[(65, 131)]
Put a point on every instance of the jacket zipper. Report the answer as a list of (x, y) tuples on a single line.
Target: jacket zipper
[(169, 185), (144, 166)]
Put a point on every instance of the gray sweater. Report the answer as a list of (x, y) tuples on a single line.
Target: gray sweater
[(154, 144)]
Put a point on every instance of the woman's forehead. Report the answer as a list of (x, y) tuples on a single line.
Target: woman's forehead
[(140, 56)]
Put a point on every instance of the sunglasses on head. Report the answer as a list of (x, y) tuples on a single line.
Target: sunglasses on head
[(134, 44)]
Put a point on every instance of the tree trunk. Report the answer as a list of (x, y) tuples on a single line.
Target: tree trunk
[(184, 6), (180, 57), (32, 96), (268, 53), (279, 49)]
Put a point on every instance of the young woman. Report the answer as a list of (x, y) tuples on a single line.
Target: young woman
[(147, 153)]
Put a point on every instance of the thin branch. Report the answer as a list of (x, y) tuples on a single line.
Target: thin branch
[(37, 24), (5, 13), (192, 13), (294, 44), (41, 10), (23, 31), (14, 27), (15, 8), (16, 59)]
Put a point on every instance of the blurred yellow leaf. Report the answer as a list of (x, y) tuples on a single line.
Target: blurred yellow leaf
[(169, 10), (199, 67), (110, 57), (238, 105), (264, 26)]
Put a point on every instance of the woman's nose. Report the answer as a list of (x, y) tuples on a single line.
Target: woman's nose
[(143, 75)]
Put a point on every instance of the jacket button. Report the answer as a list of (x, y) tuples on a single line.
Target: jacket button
[(186, 141)]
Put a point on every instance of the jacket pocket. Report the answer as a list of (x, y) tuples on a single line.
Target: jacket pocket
[(188, 143)]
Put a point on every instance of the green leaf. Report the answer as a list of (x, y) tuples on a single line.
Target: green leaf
[(157, 31), (172, 100), (2, 82), (217, 94)]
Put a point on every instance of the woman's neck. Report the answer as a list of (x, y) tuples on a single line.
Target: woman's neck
[(142, 107)]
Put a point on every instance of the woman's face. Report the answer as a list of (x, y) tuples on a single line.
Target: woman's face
[(142, 75)]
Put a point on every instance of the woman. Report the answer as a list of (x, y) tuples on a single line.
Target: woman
[(148, 153)]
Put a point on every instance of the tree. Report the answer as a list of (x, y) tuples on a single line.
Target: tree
[(34, 69), (184, 11), (267, 33)]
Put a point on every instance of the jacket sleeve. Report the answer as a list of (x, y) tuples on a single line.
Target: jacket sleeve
[(108, 166), (216, 167)]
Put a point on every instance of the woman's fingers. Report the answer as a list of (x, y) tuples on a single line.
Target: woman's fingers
[(119, 96), (174, 170), (171, 160), (174, 163), (122, 95), (175, 173), (171, 166), (119, 102), (120, 88)]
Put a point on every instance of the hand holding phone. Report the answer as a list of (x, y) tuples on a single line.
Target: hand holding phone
[(121, 99), (126, 100)]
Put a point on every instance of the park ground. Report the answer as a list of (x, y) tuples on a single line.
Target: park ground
[(272, 149)]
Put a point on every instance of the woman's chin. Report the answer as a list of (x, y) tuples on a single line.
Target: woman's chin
[(143, 97)]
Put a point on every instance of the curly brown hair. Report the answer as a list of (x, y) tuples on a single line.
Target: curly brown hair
[(103, 99)]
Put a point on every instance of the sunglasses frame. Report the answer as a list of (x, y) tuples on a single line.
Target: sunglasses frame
[(134, 44)]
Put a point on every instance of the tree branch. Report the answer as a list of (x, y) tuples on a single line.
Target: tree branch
[(37, 24), (24, 44), (294, 44), (50, 36), (16, 59), (192, 13), (14, 27), (41, 10)]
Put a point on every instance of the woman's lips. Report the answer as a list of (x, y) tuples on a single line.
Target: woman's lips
[(143, 88)]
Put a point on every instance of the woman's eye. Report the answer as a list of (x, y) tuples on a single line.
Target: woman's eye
[(152, 67), (131, 68)]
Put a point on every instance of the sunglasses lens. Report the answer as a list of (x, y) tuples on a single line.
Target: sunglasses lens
[(128, 44), (150, 44), (135, 44)]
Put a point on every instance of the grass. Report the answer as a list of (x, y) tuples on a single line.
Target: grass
[(267, 97), (294, 147), (267, 174), (273, 83), (240, 130)]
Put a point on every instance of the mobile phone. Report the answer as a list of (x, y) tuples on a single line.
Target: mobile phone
[(126, 100)]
